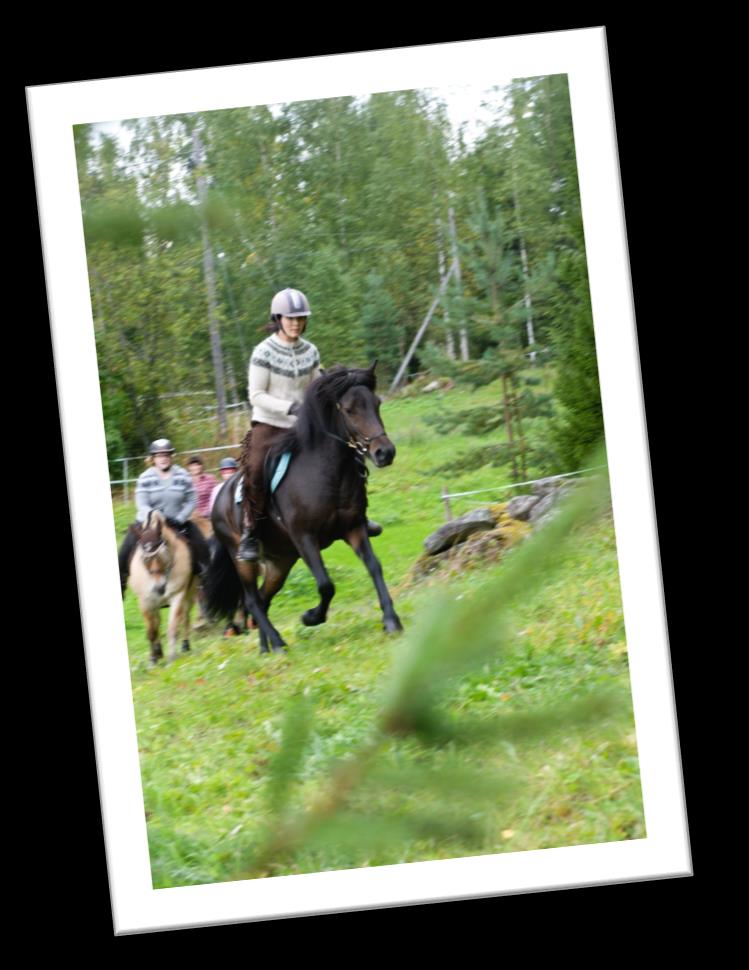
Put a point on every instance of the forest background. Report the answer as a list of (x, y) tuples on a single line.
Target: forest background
[(193, 222)]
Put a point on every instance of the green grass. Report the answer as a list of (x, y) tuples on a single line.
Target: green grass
[(209, 725)]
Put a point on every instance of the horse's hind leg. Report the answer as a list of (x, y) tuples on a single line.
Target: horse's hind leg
[(176, 616), (310, 552), (192, 590), (358, 539), (273, 580), (254, 605)]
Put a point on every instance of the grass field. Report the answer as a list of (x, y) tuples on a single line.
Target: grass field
[(209, 725)]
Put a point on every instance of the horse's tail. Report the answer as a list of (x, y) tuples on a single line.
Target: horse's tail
[(222, 590)]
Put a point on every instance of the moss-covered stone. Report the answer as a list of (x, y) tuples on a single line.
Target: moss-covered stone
[(477, 550)]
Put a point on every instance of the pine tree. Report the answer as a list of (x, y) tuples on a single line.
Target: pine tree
[(379, 326)]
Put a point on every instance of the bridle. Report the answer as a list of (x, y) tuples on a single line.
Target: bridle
[(151, 554), (356, 440)]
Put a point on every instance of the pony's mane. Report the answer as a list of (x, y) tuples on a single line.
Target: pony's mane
[(157, 521), (317, 413), (154, 520)]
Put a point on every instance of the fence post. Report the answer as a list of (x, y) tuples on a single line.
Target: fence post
[(125, 475), (446, 500)]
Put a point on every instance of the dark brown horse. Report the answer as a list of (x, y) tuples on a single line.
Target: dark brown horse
[(321, 498)]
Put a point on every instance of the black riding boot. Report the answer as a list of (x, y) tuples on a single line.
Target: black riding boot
[(248, 550), (373, 528)]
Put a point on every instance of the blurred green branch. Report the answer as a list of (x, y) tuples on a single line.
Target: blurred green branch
[(450, 640)]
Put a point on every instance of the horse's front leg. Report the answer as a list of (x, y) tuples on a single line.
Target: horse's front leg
[(310, 553), (358, 539), (152, 619)]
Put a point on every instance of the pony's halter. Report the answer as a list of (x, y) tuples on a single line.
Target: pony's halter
[(151, 554)]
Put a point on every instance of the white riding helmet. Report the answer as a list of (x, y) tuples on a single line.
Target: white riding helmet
[(290, 303)]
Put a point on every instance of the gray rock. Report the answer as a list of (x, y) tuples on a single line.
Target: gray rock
[(521, 506), (459, 529), (545, 486), (544, 505), (545, 508)]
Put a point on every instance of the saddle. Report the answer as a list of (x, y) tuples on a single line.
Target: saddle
[(275, 470)]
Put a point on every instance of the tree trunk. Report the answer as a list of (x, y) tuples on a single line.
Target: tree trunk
[(210, 284), (449, 339), (464, 348)]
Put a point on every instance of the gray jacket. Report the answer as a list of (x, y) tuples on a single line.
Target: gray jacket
[(174, 496)]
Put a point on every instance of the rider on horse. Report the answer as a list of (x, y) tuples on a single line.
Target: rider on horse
[(281, 369), (168, 488)]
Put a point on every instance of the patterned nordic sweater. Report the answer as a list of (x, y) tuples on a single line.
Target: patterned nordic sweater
[(279, 375), (174, 496)]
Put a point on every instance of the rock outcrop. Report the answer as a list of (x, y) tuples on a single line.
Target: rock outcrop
[(483, 534), (458, 530)]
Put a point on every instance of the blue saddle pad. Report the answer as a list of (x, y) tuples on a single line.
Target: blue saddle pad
[(278, 474)]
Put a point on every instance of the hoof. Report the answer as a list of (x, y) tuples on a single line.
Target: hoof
[(276, 648), (392, 626), (185, 646), (312, 618)]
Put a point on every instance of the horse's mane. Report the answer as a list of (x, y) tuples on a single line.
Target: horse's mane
[(317, 413), (156, 517)]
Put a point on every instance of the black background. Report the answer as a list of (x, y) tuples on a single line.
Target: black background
[(648, 66)]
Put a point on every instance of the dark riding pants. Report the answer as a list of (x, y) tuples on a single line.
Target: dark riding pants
[(262, 437)]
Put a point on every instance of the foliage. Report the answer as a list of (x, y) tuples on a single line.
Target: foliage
[(347, 198), (379, 325), (577, 390), (210, 726), (366, 801)]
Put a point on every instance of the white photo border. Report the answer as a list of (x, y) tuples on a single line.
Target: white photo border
[(53, 111)]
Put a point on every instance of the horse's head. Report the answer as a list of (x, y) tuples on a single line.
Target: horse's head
[(342, 403), (359, 408), (154, 550)]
